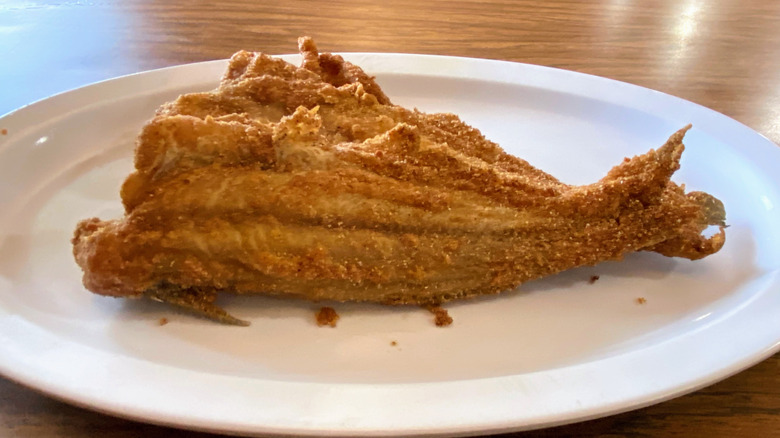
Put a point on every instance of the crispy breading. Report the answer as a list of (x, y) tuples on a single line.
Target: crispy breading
[(308, 182)]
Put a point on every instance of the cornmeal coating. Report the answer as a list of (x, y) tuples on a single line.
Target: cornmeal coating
[(308, 182)]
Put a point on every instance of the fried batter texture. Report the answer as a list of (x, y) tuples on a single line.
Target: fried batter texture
[(308, 182)]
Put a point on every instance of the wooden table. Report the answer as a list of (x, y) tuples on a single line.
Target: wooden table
[(723, 54)]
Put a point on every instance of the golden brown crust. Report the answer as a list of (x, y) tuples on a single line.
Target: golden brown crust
[(308, 182)]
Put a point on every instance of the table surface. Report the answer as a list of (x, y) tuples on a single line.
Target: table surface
[(723, 54)]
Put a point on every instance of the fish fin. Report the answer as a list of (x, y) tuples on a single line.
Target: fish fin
[(713, 211), (196, 301)]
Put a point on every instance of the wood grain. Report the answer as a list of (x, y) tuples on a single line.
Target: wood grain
[(723, 54)]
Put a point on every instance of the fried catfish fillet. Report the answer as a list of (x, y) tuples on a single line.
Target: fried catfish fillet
[(308, 182)]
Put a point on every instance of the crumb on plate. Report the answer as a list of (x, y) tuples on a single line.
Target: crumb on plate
[(441, 317), (641, 300), (593, 279), (393, 343), (327, 316), (162, 321), (4, 131)]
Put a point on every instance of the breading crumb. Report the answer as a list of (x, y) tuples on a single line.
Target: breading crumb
[(4, 131), (162, 321), (593, 279), (641, 300), (327, 316), (441, 317), (393, 343)]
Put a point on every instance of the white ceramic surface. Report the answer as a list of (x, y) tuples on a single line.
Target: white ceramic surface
[(556, 351)]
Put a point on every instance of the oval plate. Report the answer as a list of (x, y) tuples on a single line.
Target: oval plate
[(558, 350)]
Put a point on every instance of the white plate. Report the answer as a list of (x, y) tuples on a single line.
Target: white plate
[(558, 350)]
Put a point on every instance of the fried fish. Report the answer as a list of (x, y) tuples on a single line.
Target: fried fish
[(308, 182)]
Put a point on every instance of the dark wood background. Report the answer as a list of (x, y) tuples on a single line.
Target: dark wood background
[(723, 54)]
